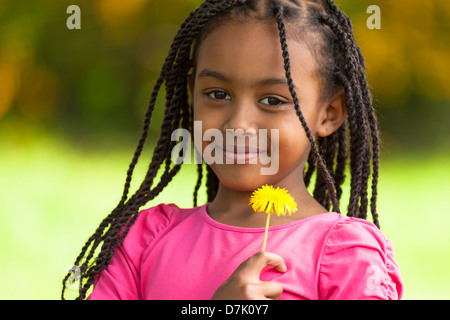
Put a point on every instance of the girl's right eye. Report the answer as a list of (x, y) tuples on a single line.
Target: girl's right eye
[(218, 95)]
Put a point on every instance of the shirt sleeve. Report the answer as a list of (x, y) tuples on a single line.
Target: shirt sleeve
[(121, 279), (358, 263)]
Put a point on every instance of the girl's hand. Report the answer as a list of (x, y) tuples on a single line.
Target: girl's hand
[(244, 283)]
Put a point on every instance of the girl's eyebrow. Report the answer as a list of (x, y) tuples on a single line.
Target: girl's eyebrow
[(205, 73)]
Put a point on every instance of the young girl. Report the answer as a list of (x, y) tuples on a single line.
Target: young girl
[(286, 65)]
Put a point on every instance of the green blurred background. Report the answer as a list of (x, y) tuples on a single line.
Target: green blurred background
[(71, 110)]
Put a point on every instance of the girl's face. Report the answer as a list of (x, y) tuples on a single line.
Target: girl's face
[(240, 83)]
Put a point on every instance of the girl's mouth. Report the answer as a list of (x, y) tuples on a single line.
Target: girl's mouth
[(240, 154)]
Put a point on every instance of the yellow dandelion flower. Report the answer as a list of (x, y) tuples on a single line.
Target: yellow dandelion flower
[(269, 200)]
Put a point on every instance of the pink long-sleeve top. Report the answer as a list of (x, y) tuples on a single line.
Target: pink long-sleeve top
[(175, 254)]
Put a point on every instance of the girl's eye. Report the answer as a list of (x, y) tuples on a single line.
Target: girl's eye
[(271, 101), (219, 95)]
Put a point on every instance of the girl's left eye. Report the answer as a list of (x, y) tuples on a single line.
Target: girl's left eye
[(271, 101)]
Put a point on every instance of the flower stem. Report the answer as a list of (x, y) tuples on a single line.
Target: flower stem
[(265, 233)]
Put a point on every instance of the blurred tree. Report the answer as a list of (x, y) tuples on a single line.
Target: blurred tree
[(410, 52), (407, 63)]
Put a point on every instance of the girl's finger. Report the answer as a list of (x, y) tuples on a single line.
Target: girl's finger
[(255, 264)]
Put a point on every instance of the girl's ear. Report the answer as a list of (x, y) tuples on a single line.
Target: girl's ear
[(334, 115)]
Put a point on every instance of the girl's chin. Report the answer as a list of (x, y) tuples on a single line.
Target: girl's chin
[(245, 180)]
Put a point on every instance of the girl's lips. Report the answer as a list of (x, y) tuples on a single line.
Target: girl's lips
[(240, 154)]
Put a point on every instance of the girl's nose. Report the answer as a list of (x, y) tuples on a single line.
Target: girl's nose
[(242, 117)]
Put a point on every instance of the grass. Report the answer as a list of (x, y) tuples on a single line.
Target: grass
[(53, 196)]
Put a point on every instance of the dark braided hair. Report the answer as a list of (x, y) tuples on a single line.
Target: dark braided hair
[(341, 67)]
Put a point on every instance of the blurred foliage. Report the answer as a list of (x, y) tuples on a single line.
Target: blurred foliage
[(408, 63), (96, 81)]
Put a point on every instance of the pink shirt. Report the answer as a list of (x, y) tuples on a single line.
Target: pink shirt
[(176, 254)]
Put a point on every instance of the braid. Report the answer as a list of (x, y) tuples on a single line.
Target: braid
[(311, 168), (341, 159), (212, 184), (329, 154), (361, 116), (199, 182)]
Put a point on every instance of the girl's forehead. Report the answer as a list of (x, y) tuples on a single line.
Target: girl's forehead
[(243, 31), (251, 46)]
